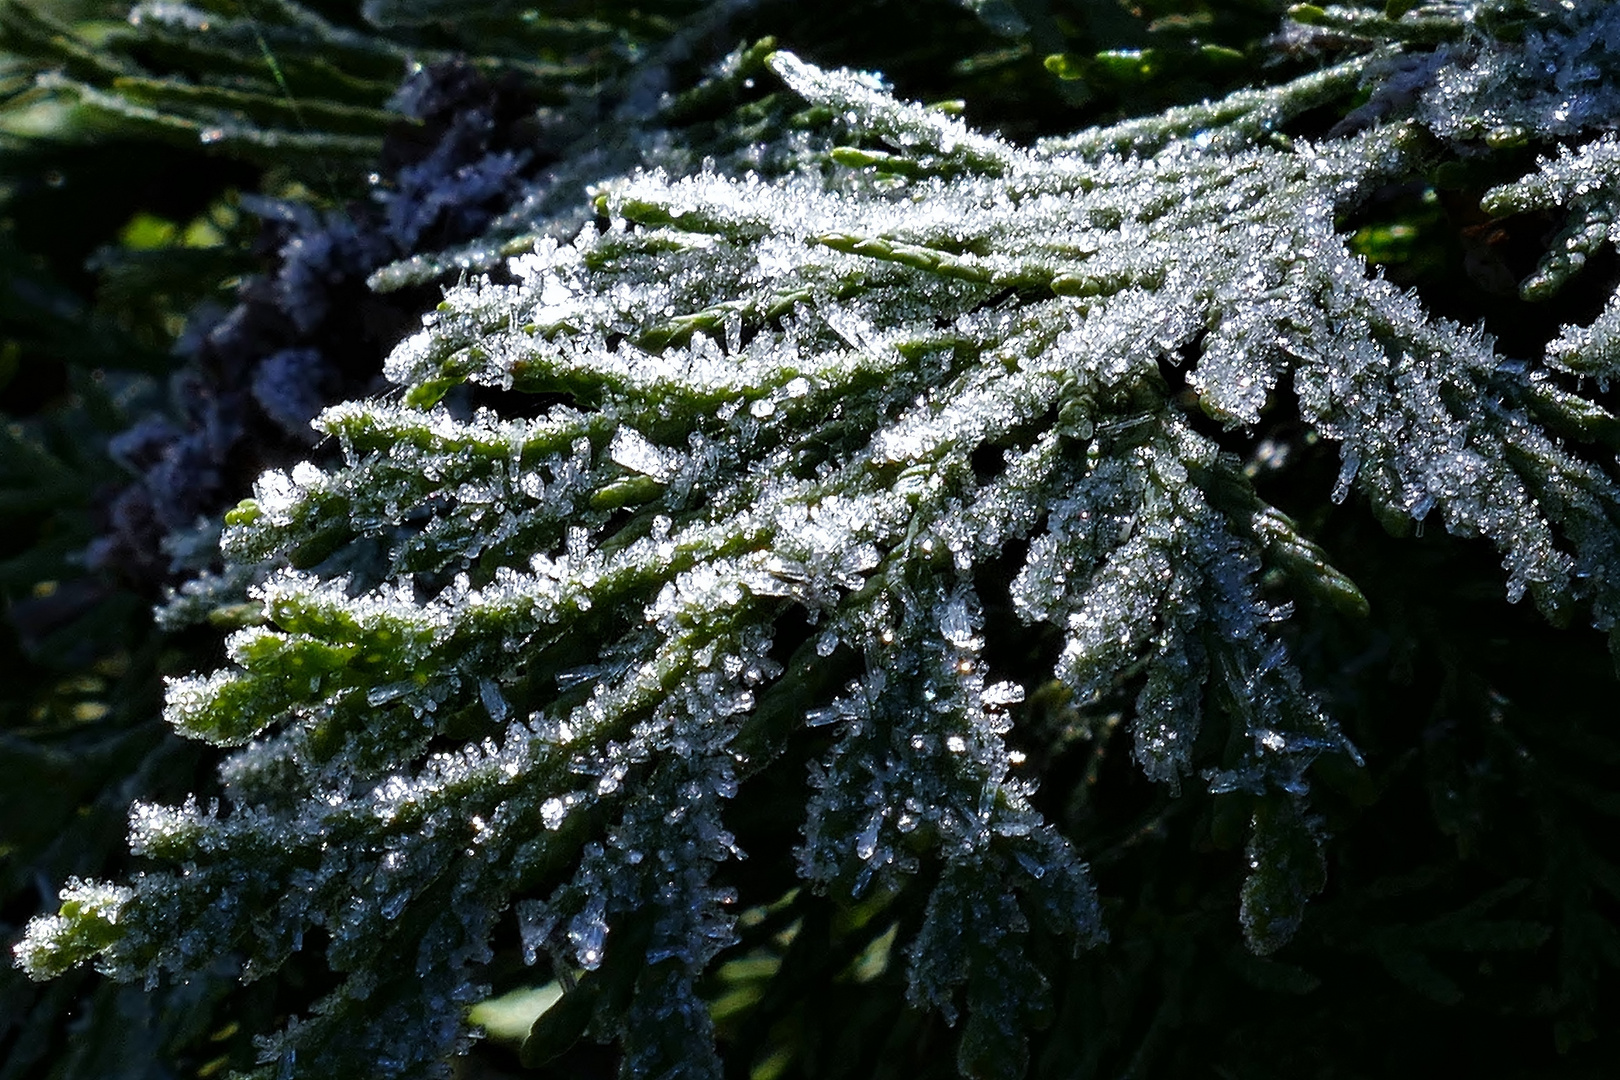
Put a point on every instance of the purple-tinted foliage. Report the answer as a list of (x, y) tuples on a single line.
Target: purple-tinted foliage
[(307, 332), (290, 387)]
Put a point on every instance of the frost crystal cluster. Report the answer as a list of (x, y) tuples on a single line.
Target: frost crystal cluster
[(769, 437)]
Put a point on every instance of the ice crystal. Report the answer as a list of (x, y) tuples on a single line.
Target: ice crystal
[(526, 664)]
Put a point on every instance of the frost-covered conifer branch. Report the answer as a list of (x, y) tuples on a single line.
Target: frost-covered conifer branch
[(524, 665)]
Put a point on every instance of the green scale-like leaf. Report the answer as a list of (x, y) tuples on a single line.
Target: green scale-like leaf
[(527, 664)]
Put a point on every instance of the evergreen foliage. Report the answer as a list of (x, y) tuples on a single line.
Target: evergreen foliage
[(853, 553)]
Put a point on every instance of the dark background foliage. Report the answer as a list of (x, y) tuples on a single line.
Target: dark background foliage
[(173, 307)]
